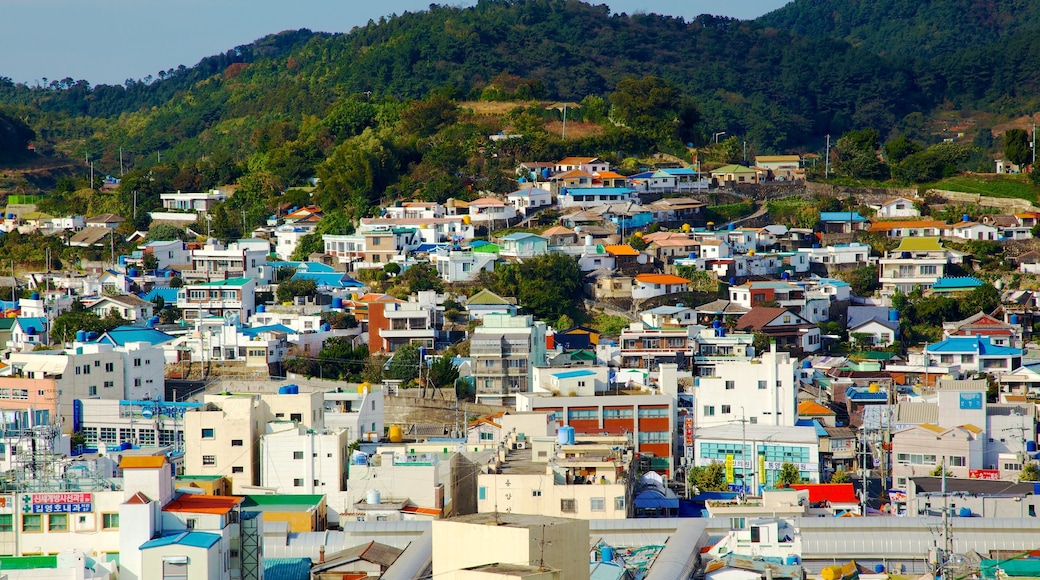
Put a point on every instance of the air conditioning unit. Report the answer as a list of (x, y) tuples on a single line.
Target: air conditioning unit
[(521, 444)]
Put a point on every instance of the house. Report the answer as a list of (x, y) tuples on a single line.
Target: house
[(627, 216), (915, 262), (899, 207), (874, 325), (28, 333), (651, 285), (968, 230), (1000, 333), (854, 253), (925, 228), (529, 200), (561, 236), (168, 253), (844, 222), (488, 211), (1029, 262), (586, 197), (234, 296), (956, 286), (92, 237), (572, 178), (524, 245), (241, 258), (200, 202), (609, 179), (781, 167), (414, 210), (462, 266), (607, 283), (487, 302), (920, 449), (126, 306), (672, 316), (677, 211), (734, 174), (107, 220), (587, 164), (790, 331), (974, 354)]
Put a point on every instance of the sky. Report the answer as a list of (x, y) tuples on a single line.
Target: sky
[(110, 41)]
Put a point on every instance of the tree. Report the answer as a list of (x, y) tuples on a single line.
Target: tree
[(392, 269), (938, 472), (655, 107), (289, 289), (984, 299), (1016, 147), (788, 475), (841, 476), (421, 277), (711, 477), (404, 365), (547, 286), (761, 342), (65, 326), (863, 281), (150, 262), (900, 148), (443, 372), (1030, 472), (165, 232)]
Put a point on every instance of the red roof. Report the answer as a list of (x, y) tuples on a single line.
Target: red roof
[(829, 492), (661, 279), (413, 509), (203, 504)]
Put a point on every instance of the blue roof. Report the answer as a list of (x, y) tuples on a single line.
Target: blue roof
[(680, 171), (193, 539), (169, 295), (957, 283), (427, 248), (125, 334), (287, 568), (972, 344), (35, 322), (641, 175), (478, 243), (314, 267), (328, 279), (598, 191), (820, 431), (857, 394), (573, 374), (841, 216), (522, 236), (527, 191), (255, 330), (833, 282)]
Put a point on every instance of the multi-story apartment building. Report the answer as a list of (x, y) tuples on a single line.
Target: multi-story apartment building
[(417, 321), (917, 262), (732, 389), (146, 424), (298, 460), (241, 259), (504, 350), (235, 296), (646, 348)]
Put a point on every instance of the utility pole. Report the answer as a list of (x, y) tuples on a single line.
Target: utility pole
[(827, 165), (564, 134), (120, 162), (743, 456)]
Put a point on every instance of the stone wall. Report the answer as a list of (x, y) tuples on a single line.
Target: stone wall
[(1004, 204)]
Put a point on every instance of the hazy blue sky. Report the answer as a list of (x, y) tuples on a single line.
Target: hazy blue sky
[(108, 41)]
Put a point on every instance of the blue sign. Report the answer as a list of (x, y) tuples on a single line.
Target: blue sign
[(60, 508), (971, 400)]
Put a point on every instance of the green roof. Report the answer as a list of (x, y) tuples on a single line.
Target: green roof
[(198, 477), (487, 249), (27, 562), (487, 298), (6, 323), (733, 169), (872, 355), (583, 355), (920, 245), (228, 282), (291, 502)]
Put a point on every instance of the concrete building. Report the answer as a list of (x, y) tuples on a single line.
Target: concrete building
[(240, 259), (921, 449), (899, 207), (146, 424), (482, 539), (756, 453), (298, 460), (504, 350), (168, 253), (917, 262), (200, 202), (762, 391), (232, 296)]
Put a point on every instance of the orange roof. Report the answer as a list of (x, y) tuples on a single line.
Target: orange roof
[(884, 226), (142, 462), (664, 235), (486, 201), (138, 498), (414, 509), (558, 231), (1028, 214), (576, 160), (622, 250), (372, 297), (203, 504), (571, 174), (676, 242), (813, 408), (661, 279), (609, 175)]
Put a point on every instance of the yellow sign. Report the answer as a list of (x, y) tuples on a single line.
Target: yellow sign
[(761, 469), (729, 469)]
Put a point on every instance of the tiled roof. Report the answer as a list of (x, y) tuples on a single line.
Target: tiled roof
[(759, 316), (126, 334), (971, 344), (813, 408), (487, 298), (287, 568), (203, 504), (661, 279)]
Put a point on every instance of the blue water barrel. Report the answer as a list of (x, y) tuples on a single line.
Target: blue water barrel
[(91, 336), (261, 309), (293, 389), (785, 275), (34, 296), (81, 335), (731, 227), (31, 331), (134, 272), (893, 315), (716, 324), (169, 273), (792, 560), (1031, 446), (1014, 319), (283, 390), (965, 217), (337, 303), (879, 568), (606, 554), (326, 327), (964, 512), (806, 364), (565, 436)]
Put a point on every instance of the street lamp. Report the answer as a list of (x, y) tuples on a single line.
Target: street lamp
[(716, 136)]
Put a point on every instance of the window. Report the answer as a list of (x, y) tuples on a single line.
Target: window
[(298, 417), (651, 412), (92, 391), (957, 461), (58, 522), (536, 493), (928, 269), (137, 382), (297, 454), (617, 413), (236, 442), (109, 367), (190, 523), (86, 369), (598, 504), (108, 434), (761, 384), (753, 420), (298, 482), (209, 459), (110, 384), (32, 523), (567, 506), (709, 410), (208, 434), (137, 362), (487, 436), (726, 409), (238, 469), (967, 358), (730, 385), (619, 502), (6, 522), (482, 493)]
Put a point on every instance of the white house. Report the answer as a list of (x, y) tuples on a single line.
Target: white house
[(967, 230), (127, 306), (650, 285), (763, 393), (876, 324), (490, 211), (200, 202), (168, 252), (462, 266), (529, 199), (298, 460), (853, 253), (899, 207)]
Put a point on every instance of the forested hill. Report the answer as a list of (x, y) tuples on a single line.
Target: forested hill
[(779, 89), (909, 27)]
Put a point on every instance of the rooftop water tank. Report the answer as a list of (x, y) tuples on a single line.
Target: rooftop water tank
[(893, 315), (92, 336), (879, 568), (565, 436), (289, 390), (1013, 319), (31, 331), (785, 275), (34, 296), (716, 324), (360, 458), (606, 554), (81, 335), (326, 327), (964, 512), (1031, 446), (806, 364), (965, 218), (134, 272), (337, 303), (396, 434), (792, 560), (372, 497), (261, 309)]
